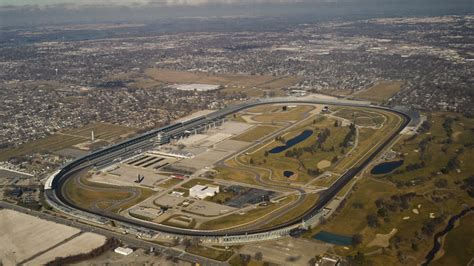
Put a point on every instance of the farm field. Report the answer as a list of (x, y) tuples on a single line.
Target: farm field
[(22, 239), (83, 243), (381, 91)]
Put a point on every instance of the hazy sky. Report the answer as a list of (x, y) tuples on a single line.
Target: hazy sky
[(34, 12), (143, 2)]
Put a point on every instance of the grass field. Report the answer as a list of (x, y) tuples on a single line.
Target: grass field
[(256, 133), (381, 91), (233, 174), (237, 219), (216, 254), (103, 195), (293, 114), (169, 182), (103, 131), (309, 201), (458, 244), (197, 181), (68, 139), (45, 145), (361, 117)]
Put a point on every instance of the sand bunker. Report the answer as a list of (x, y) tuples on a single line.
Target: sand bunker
[(382, 240), (406, 218), (415, 211), (324, 164)]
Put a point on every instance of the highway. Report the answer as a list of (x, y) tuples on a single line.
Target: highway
[(130, 147)]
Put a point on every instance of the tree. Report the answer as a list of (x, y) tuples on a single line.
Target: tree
[(356, 240), (336, 124), (251, 161), (441, 183), (258, 256), (372, 220)]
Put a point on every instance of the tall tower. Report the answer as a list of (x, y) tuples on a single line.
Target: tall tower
[(92, 136)]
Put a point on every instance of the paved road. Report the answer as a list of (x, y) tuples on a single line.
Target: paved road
[(127, 239)]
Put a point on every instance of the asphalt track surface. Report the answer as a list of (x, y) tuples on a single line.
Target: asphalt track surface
[(104, 157)]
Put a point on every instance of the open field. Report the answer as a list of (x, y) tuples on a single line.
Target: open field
[(296, 113), (216, 254), (48, 144), (83, 243), (22, 236), (228, 173), (458, 244), (256, 133), (286, 251), (68, 139), (361, 117), (170, 182), (107, 197), (102, 131), (230, 80), (380, 92), (197, 181)]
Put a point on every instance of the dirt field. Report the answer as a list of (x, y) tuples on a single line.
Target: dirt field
[(231, 80), (84, 243), (381, 91), (288, 251), (22, 236)]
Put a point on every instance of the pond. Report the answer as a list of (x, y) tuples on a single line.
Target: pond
[(304, 135), (335, 239), (385, 168), (288, 173)]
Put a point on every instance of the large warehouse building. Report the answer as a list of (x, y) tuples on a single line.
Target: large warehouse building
[(201, 192)]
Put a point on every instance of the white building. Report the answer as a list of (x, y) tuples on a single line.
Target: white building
[(201, 192), (123, 251)]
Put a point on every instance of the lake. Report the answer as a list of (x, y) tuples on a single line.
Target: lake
[(288, 173), (304, 135), (335, 239), (385, 168)]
